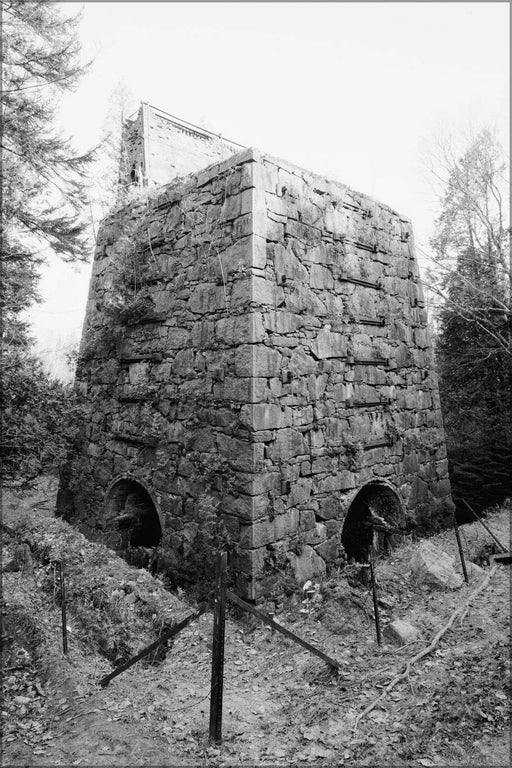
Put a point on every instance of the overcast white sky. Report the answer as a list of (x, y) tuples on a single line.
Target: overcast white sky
[(354, 91)]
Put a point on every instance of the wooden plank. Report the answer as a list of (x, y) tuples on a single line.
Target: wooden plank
[(286, 632), (219, 623), (150, 648)]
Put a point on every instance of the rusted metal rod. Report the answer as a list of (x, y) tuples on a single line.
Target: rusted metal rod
[(286, 632), (375, 593), (491, 534), (219, 624), (150, 648), (63, 608), (461, 552)]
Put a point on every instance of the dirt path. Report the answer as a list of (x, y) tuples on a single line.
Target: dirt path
[(282, 706)]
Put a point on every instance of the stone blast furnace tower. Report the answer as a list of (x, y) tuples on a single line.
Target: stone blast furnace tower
[(255, 347)]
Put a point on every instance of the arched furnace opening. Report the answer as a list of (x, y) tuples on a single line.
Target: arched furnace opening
[(374, 517), (132, 511)]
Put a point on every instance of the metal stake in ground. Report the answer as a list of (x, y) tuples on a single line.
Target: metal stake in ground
[(63, 608), (375, 596), (461, 552), (219, 619)]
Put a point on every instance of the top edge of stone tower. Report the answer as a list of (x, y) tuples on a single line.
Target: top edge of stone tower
[(161, 150)]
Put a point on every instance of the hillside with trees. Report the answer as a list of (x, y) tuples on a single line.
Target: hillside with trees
[(472, 279), (44, 185)]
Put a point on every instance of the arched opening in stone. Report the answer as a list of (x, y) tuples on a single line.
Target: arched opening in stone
[(131, 510), (374, 517)]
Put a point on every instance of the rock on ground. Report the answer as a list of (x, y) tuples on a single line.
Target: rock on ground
[(431, 565), (400, 632)]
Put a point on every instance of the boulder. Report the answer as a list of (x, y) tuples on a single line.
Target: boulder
[(399, 632), (474, 570), (307, 565), (430, 565)]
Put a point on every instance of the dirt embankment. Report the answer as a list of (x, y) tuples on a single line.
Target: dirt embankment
[(282, 706)]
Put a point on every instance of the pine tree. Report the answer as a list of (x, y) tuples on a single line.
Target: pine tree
[(474, 343), (43, 196)]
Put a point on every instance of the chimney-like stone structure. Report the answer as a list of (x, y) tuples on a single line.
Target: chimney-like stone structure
[(256, 347), (157, 147)]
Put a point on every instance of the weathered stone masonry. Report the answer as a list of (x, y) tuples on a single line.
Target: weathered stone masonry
[(256, 340), (158, 147)]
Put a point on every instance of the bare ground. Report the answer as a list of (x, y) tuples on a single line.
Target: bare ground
[(282, 706)]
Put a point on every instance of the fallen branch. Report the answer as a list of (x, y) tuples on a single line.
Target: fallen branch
[(425, 652)]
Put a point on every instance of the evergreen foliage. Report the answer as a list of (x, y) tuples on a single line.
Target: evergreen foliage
[(43, 196), (40, 419), (474, 342)]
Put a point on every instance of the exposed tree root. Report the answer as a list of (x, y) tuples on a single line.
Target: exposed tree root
[(462, 609)]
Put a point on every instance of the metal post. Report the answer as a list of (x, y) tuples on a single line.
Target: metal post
[(375, 597), (461, 552), (63, 609), (217, 681)]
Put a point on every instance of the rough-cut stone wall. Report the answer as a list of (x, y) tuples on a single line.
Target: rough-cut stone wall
[(256, 342), (349, 394), (158, 148)]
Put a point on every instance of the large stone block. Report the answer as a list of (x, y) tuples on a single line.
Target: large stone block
[(265, 292), (320, 277), (240, 329), (257, 360), (288, 444), (329, 550), (306, 566), (301, 299), (286, 524), (241, 454), (430, 565), (206, 298), (301, 363), (280, 321), (246, 508), (316, 535), (287, 266), (262, 416), (328, 344), (400, 632), (258, 534), (243, 390)]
